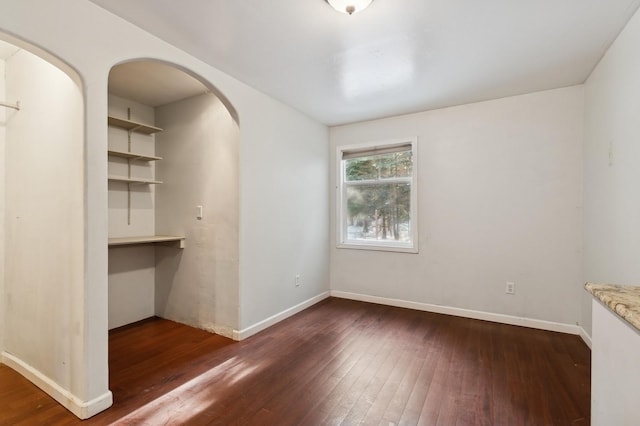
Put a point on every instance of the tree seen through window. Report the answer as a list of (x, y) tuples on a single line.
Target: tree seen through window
[(378, 196)]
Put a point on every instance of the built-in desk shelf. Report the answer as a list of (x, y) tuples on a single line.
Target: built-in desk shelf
[(149, 239), (133, 126), (140, 181), (133, 155)]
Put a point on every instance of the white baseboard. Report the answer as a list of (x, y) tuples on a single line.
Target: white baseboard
[(224, 331), (465, 313), (82, 409), (264, 324), (585, 337)]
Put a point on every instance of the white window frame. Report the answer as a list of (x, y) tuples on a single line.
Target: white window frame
[(341, 202)]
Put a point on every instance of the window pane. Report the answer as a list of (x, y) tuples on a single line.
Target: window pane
[(376, 167), (379, 212)]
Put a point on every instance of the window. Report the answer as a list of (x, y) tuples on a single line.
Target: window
[(377, 201)]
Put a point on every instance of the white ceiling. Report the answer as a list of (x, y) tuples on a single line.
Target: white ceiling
[(152, 83), (397, 56)]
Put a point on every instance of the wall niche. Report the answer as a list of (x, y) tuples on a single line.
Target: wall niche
[(173, 158)]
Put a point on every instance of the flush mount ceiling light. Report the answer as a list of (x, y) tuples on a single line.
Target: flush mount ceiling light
[(349, 6)]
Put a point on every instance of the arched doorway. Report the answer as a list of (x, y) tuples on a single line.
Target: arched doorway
[(174, 180)]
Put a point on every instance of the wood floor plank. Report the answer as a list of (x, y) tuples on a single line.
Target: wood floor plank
[(302, 365), (349, 410), (338, 362), (383, 371)]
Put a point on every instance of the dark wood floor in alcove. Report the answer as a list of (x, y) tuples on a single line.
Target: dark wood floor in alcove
[(339, 362)]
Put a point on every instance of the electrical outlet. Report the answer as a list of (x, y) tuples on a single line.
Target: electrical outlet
[(297, 280), (510, 288)]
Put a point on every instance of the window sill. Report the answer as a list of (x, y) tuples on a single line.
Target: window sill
[(378, 247)]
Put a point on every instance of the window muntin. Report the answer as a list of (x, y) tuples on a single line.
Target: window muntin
[(377, 200)]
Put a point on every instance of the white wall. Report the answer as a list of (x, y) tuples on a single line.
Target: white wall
[(131, 268), (132, 291), (44, 208), (200, 166), (611, 167), (284, 228), (499, 200), (3, 122), (283, 175)]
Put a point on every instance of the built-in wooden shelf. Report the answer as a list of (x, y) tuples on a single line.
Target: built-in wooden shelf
[(137, 180), (133, 126), (133, 155), (148, 239)]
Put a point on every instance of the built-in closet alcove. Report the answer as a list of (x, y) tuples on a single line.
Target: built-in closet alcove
[(41, 214), (173, 146)]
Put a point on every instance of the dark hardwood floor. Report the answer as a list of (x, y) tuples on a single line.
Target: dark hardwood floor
[(338, 362)]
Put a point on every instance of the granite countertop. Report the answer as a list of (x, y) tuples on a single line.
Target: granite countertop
[(623, 300)]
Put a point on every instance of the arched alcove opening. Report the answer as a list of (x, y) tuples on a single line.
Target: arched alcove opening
[(173, 176), (41, 219)]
